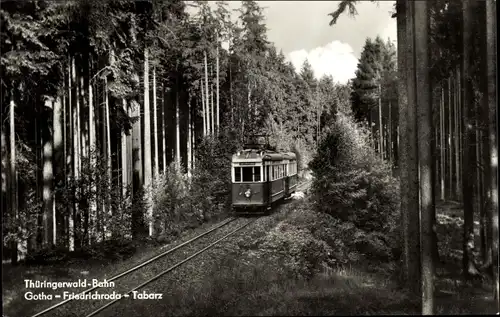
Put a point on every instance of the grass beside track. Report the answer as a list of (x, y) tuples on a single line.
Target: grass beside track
[(74, 268), (243, 282), (238, 278), (13, 290)]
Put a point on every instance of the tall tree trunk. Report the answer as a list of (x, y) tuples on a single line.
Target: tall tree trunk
[(189, 138), (177, 125), (204, 111), (92, 154), (130, 155), (76, 153), (446, 148), (460, 128), (395, 129), (389, 136), (481, 137), (380, 123), (118, 152), (480, 185), (163, 128), (217, 83), (5, 207), (138, 177), (450, 141), (401, 6), (468, 167), (58, 128), (48, 179), (369, 126), (456, 106), (83, 150), (147, 143), (137, 223), (492, 165), (101, 201), (13, 175), (441, 143), (212, 109), (124, 154), (249, 107), (155, 119), (231, 94), (84, 131), (107, 232), (436, 138), (207, 102), (413, 182), (63, 234), (425, 152), (193, 136), (37, 229), (70, 157)]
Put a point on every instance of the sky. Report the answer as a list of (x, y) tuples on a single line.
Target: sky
[(301, 30)]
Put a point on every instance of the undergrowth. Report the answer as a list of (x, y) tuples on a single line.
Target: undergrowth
[(293, 268), (290, 269), (354, 186)]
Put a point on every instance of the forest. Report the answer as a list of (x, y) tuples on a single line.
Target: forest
[(139, 105), (440, 119), (111, 106)]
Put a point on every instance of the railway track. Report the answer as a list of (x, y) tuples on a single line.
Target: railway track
[(150, 270)]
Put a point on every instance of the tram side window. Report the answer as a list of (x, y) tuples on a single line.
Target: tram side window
[(256, 174), (237, 174)]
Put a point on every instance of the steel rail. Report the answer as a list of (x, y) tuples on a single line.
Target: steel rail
[(135, 268), (95, 312)]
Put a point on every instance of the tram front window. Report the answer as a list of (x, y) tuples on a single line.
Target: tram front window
[(247, 174), (237, 174)]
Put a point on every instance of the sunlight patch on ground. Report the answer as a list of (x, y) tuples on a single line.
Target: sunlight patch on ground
[(445, 220), (8, 296), (298, 195)]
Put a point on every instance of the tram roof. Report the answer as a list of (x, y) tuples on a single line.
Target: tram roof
[(255, 155)]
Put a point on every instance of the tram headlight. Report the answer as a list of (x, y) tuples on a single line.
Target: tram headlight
[(248, 193)]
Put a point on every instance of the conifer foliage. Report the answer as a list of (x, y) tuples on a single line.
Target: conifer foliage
[(443, 132), (114, 111)]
